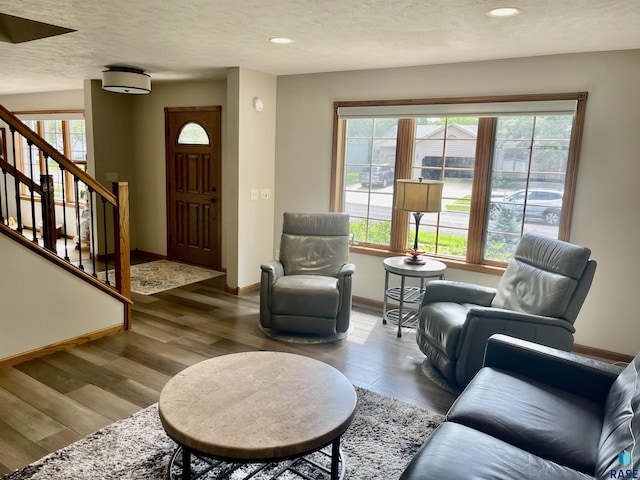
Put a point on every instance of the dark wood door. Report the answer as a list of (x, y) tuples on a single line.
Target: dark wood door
[(193, 185)]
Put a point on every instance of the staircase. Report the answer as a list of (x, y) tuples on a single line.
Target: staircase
[(47, 300)]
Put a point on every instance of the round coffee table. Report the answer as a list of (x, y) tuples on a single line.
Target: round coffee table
[(257, 407)]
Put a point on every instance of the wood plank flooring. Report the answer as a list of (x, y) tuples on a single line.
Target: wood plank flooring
[(50, 402)]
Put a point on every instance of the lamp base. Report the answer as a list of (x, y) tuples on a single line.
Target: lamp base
[(415, 260), (415, 257)]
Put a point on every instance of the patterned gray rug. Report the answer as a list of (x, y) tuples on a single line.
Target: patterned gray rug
[(384, 436)]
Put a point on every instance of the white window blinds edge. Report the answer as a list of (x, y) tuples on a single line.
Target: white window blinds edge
[(51, 116), (493, 109)]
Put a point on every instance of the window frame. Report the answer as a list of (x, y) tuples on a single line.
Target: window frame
[(474, 260), (64, 116)]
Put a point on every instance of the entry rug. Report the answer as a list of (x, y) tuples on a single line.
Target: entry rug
[(383, 437), (153, 277)]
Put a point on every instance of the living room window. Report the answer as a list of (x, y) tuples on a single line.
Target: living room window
[(508, 164), (66, 132)]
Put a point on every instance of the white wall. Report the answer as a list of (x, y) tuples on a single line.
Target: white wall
[(605, 216), (256, 167), (42, 304)]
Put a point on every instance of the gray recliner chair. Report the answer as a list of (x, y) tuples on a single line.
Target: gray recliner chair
[(309, 289), (538, 299)]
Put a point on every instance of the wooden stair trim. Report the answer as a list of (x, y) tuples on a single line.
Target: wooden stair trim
[(64, 264), (58, 346)]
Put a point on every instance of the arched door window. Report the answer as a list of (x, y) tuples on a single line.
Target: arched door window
[(193, 134)]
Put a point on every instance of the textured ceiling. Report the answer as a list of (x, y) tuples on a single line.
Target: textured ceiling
[(201, 38)]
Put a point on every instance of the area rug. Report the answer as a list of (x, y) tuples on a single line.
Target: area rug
[(153, 277), (384, 436)]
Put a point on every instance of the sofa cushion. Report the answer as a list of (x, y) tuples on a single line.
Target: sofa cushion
[(316, 294), (546, 421), (621, 423), (457, 451)]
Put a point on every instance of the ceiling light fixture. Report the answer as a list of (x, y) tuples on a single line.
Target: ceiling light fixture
[(132, 81), (280, 40), (503, 12)]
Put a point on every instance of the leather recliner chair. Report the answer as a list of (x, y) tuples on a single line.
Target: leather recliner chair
[(308, 290), (538, 299)]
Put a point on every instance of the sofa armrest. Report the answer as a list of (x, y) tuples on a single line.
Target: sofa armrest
[(273, 268), (576, 374), (501, 314), (347, 269), (458, 292)]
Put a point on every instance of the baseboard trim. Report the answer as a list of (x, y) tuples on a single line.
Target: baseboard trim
[(56, 347), (577, 348), (600, 353), (241, 290)]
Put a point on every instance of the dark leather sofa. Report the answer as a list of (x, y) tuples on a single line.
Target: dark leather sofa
[(534, 412)]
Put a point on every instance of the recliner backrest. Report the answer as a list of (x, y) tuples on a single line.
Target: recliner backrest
[(314, 243), (546, 277)]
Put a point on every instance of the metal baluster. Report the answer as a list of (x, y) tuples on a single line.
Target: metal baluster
[(33, 202), (45, 201), (78, 232), (2, 217), (106, 259), (64, 213), (17, 183), (93, 233)]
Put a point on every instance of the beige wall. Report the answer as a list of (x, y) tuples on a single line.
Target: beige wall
[(256, 171), (65, 306), (605, 216)]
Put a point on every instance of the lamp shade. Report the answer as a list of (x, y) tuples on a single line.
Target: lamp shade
[(126, 80), (419, 195)]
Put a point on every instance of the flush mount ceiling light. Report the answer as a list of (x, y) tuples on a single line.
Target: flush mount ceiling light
[(280, 40), (126, 80), (503, 12)]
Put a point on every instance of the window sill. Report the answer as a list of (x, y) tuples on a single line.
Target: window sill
[(449, 262)]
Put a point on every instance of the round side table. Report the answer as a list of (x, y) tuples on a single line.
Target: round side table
[(412, 296)]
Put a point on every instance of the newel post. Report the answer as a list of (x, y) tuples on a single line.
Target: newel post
[(122, 245)]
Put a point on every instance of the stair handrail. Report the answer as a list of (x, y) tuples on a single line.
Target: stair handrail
[(13, 121), (119, 199)]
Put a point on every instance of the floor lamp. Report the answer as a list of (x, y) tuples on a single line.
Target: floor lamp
[(418, 196)]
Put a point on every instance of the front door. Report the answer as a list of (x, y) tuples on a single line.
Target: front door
[(193, 185)]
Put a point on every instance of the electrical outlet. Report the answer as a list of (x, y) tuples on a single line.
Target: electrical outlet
[(254, 194), (266, 194)]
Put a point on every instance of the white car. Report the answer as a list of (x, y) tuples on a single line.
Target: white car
[(544, 205)]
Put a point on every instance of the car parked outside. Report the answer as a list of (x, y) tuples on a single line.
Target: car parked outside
[(543, 205), (381, 176)]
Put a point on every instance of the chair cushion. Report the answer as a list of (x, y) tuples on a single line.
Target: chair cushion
[(317, 255), (621, 421), (315, 295), (442, 322), (457, 451), (528, 289), (546, 421)]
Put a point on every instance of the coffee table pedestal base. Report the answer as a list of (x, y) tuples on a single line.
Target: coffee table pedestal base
[(327, 462)]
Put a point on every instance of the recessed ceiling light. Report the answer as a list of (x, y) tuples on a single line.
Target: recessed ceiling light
[(503, 12), (280, 40)]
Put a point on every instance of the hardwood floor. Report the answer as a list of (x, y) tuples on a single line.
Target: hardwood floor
[(50, 402)]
